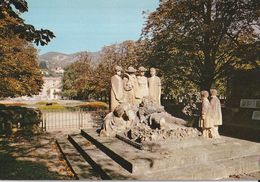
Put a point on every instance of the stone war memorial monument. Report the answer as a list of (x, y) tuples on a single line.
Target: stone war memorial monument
[(139, 140), (141, 117)]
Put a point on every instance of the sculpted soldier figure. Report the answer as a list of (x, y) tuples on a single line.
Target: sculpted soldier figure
[(154, 83), (117, 92), (130, 85), (205, 121), (215, 110), (142, 85)]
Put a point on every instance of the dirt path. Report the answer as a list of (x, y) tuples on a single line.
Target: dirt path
[(32, 158)]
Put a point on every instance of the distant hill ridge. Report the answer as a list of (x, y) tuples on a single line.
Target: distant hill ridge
[(57, 59)]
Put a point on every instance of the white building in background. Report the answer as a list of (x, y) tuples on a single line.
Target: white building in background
[(58, 71), (51, 88)]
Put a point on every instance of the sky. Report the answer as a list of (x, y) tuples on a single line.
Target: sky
[(88, 25)]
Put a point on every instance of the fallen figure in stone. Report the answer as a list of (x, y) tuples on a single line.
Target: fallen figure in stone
[(148, 122), (118, 121), (155, 116)]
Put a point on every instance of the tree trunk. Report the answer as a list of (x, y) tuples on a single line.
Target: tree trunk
[(208, 70), (207, 83)]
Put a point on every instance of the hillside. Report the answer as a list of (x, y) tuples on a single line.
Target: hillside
[(57, 59)]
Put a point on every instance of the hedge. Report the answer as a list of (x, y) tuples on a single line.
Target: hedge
[(12, 116)]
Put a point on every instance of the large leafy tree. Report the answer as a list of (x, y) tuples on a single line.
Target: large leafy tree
[(11, 23), (83, 80), (202, 41), (125, 54), (79, 79), (19, 70)]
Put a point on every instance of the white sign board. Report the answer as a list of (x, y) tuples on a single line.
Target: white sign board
[(250, 103), (256, 115)]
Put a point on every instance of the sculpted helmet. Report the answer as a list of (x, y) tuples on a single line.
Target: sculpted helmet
[(130, 69), (118, 68), (142, 69)]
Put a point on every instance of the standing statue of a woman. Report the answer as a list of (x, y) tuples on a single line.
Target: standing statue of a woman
[(216, 114), (154, 83), (142, 85), (130, 86), (205, 122), (117, 91)]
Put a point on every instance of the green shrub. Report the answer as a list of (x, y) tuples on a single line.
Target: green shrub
[(28, 118), (46, 103), (52, 107), (93, 106)]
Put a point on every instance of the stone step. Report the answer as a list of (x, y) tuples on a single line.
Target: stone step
[(207, 171), (185, 157), (109, 146), (97, 168), (180, 154), (100, 162), (80, 168), (127, 155)]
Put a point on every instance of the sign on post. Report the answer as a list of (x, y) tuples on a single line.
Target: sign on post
[(256, 115), (250, 103)]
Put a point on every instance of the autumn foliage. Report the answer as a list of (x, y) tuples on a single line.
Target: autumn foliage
[(202, 42), (19, 71)]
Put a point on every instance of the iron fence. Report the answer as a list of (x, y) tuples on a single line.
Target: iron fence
[(71, 119)]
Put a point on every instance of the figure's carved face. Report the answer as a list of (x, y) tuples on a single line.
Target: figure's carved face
[(213, 92), (118, 72), (204, 94), (152, 72), (142, 73)]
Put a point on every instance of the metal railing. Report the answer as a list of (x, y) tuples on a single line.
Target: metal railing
[(71, 119)]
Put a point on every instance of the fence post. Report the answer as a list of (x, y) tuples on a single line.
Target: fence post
[(78, 111), (81, 117), (45, 120), (42, 121)]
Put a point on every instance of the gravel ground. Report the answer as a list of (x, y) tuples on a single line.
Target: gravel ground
[(32, 158)]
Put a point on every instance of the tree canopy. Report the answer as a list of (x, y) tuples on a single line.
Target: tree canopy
[(19, 71), (84, 80), (11, 23), (78, 79), (202, 41)]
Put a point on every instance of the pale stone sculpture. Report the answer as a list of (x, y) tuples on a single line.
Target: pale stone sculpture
[(153, 113), (113, 122), (205, 121), (154, 124), (147, 122), (154, 83), (121, 119), (142, 90), (130, 85), (215, 110), (117, 92)]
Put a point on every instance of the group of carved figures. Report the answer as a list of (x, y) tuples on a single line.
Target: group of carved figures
[(211, 116), (132, 88), (137, 110), (135, 104)]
